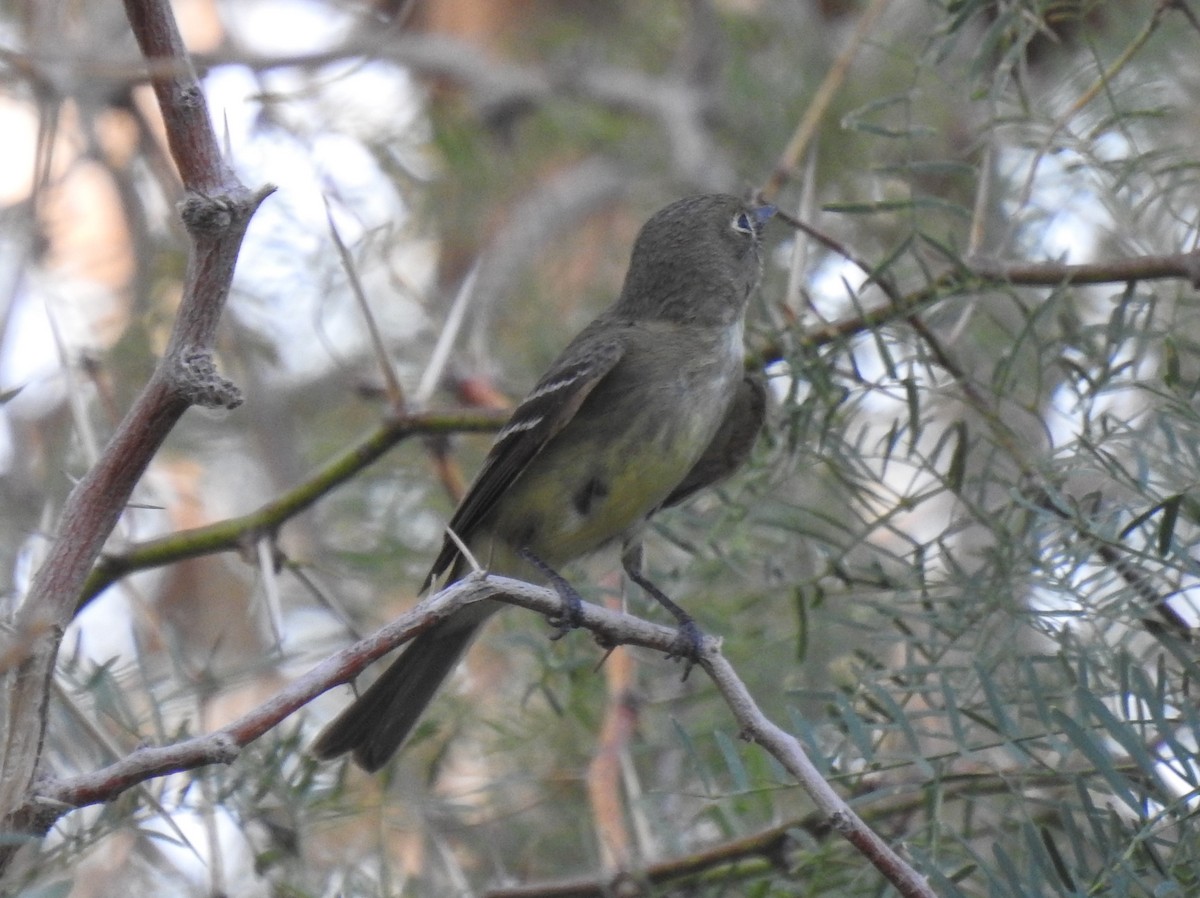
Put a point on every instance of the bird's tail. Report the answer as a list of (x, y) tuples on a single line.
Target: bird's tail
[(379, 720)]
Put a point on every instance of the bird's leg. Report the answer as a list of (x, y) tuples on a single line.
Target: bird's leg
[(689, 641), (572, 602)]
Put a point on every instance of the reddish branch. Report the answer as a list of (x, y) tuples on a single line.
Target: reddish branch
[(51, 800), (216, 209)]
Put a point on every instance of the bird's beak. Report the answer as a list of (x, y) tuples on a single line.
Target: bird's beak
[(762, 214)]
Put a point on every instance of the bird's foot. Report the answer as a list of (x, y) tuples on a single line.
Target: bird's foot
[(689, 639), (572, 613), (688, 646)]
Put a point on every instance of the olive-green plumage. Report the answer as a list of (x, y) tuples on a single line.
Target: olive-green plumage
[(649, 403)]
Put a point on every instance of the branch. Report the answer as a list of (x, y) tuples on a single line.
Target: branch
[(235, 533), (972, 274), (53, 799), (1058, 274), (216, 210), (772, 845), (778, 846)]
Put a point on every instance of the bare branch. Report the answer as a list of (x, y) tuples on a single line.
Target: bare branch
[(234, 533), (981, 272), (216, 211), (53, 799)]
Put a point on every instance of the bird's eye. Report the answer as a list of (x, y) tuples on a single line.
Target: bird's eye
[(742, 224)]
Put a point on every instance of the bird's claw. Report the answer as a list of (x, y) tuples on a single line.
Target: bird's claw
[(688, 646), (572, 613)]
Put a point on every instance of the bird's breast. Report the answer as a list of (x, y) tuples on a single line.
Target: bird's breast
[(630, 444)]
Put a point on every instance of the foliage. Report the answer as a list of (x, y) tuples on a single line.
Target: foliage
[(959, 568)]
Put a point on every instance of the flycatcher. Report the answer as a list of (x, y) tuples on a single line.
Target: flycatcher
[(648, 404)]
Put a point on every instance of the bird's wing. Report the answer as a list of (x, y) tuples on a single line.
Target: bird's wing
[(547, 409), (731, 445)]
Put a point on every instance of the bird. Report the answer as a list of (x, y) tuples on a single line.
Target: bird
[(648, 404)]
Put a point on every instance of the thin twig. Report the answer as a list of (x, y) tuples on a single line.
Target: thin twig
[(1081, 102), (395, 393), (806, 129)]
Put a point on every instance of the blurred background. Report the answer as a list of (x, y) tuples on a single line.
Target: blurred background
[(960, 565)]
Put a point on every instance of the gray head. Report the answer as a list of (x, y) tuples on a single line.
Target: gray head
[(697, 260)]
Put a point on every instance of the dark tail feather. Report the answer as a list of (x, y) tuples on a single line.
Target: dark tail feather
[(380, 719)]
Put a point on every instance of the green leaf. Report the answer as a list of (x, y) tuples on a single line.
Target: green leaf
[(1166, 527), (733, 761), (1101, 760), (958, 459), (1056, 859)]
